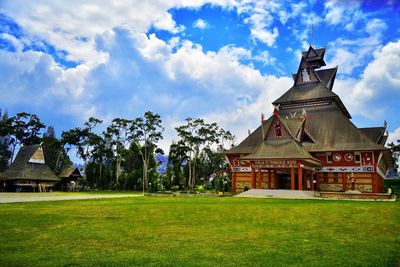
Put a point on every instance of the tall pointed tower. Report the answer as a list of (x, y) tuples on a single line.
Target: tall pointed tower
[(309, 142)]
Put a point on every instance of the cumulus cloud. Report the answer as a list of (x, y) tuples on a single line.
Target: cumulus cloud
[(343, 13), (379, 83)]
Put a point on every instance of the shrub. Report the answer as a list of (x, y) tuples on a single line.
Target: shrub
[(174, 188)]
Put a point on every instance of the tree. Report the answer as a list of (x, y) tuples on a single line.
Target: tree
[(120, 135), (5, 140), (56, 156), (26, 130), (196, 135), (395, 152), (147, 132), (80, 138)]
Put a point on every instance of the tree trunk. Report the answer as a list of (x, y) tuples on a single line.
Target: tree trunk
[(117, 172)]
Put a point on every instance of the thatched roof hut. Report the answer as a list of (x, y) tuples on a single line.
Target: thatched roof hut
[(29, 169), (70, 173)]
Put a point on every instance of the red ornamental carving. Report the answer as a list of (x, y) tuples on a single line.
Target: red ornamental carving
[(235, 162), (348, 157), (337, 157)]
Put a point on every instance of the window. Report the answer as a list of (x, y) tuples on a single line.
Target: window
[(305, 76), (329, 157), (335, 177), (357, 157), (278, 129), (325, 179)]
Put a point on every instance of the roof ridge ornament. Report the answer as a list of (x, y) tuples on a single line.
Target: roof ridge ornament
[(276, 110)]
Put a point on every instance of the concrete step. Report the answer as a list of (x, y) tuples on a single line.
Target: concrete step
[(269, 193)]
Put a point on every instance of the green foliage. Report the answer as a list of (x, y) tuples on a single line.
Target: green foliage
[(395, 152), (56, 156), (6, 131), (394, 184), (198, 150)]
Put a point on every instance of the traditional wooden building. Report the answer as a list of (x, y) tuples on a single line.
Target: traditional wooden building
[(309, 142), (29, 172), (69, 177)]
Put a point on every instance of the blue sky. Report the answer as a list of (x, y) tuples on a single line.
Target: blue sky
[(222, 60)]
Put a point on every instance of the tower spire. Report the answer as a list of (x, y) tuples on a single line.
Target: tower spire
[(312, 35)]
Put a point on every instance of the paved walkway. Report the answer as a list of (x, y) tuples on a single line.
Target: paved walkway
[(31, 197), (265, 193)]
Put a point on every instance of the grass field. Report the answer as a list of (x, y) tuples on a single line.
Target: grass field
[(200, 231)]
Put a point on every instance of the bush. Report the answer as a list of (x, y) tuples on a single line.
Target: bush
[(200, 188), (174, 188), (394, 184)]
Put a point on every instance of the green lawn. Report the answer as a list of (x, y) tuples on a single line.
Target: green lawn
[(200, 231)]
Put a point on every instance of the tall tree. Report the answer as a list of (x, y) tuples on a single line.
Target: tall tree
[(80, 138), (6, 131), (26, 130), (56, 156), (147, 132), (196, 135), (119, 133)]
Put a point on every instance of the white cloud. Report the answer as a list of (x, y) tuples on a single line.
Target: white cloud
[(342, 12), (167, 23), (379, 85), (73, 26), (394, 136), (375, 26), (179, 84), (200, 24), (260, 18)]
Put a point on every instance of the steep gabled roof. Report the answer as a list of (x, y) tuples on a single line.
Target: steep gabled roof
[(252, 141), (29, 165), (375, 134), (327, 77), (280, 149), (70, 172), (315, 57), (333, 131), (305, 92)]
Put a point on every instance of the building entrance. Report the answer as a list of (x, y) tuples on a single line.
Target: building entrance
[(284, 181)]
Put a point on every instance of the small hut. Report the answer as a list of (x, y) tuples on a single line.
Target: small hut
[(29, 171), (69, 177)]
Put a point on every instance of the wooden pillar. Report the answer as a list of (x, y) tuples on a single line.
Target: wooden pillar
[(300, 176), (275, 180), (259, 178), (253, 177), (375, 183), (317, 182), (344, 181), (269, 179), (312, 181), (292, 179), (234, 182)]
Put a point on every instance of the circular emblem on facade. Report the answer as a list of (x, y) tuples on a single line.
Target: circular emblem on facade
[(348, 157), (337, 157)]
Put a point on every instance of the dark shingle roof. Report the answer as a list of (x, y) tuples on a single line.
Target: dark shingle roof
[(252, 141), (332, 130), (70, 172), (373, 133), (309, 91), (279, 149), (21, 168)]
